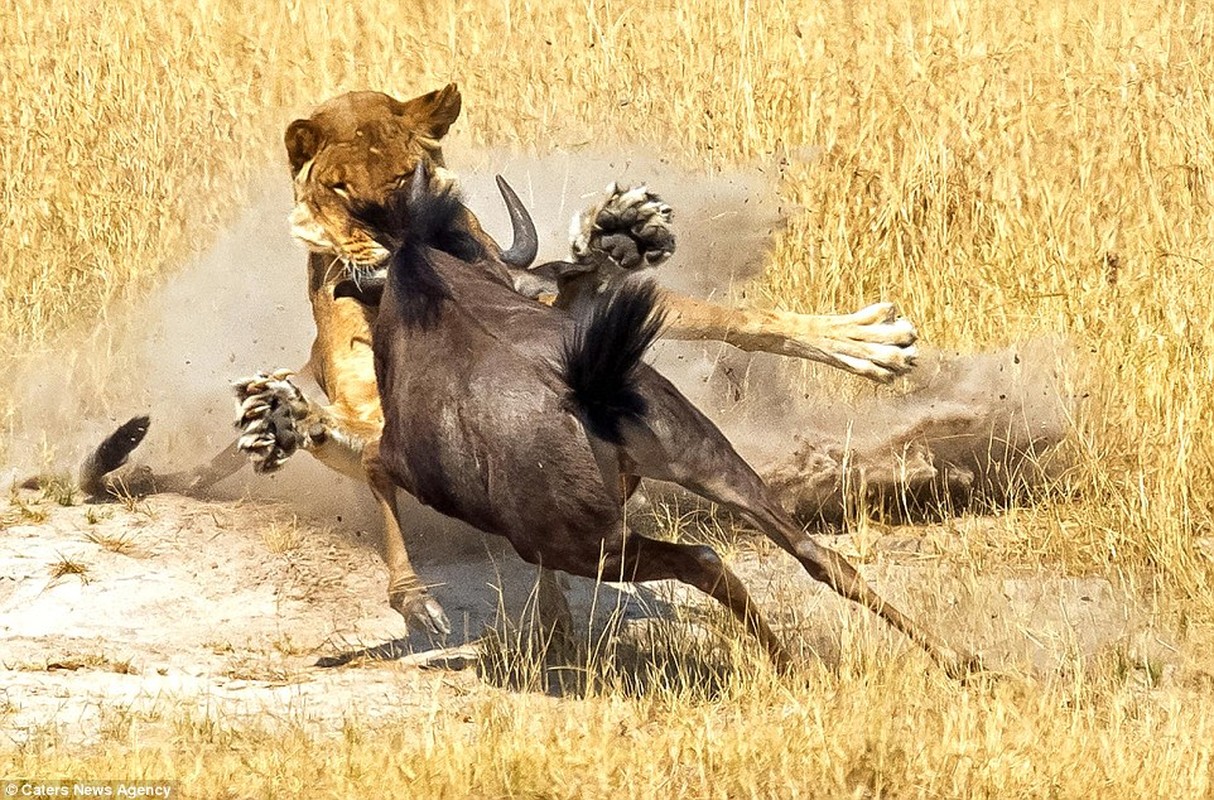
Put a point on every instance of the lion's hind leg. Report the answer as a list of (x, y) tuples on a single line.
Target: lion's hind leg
[(627, 230), (630, 229), (874, 342)]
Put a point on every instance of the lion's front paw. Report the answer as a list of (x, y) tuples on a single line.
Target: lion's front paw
[(875, 342), (271, 410), (629, 227)]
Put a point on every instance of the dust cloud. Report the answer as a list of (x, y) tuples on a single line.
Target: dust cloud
[(966, 427)]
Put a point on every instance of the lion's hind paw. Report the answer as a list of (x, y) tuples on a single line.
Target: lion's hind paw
[(271, 410), (875, 342), (630, 227)]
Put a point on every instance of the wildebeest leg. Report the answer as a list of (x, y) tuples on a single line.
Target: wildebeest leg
[(551, 603), (704, 462), (406, 593), (646, 559), (747, 495), (555, 618)]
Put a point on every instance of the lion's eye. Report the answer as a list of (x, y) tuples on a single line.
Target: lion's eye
[(340, 189)]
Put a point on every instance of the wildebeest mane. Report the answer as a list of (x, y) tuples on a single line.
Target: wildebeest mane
[(413, 224)]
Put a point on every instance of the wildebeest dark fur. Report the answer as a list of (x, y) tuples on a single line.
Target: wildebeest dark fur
[(534, 424)]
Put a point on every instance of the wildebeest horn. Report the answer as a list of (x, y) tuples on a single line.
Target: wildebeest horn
[(526, 243), (421, 183), (369, 290)]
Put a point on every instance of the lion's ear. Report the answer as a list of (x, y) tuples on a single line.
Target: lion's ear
[(432, 113), (303, 142)]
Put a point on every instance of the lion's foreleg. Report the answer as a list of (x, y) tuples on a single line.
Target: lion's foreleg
[(406, 592), (276, 419)]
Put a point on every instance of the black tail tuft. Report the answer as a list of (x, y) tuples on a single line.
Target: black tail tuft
[(112, 454), (600, 357)]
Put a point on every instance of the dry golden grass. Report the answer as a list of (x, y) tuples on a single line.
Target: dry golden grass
[(870, 730), (124, 543), (66, 566), (1000, 170)]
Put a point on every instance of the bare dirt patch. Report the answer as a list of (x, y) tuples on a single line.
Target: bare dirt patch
[(221, 609)]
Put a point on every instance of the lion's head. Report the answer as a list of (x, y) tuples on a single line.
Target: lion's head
[(355, 151)]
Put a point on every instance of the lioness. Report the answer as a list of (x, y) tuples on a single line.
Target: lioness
[(352, 153)]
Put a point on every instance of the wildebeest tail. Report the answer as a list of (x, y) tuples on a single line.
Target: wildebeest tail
[(600, 356), (111, 454)]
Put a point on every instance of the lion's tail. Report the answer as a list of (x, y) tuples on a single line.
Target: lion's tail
[(111, 454)]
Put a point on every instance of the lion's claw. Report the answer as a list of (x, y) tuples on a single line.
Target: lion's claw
[(630, 227), (271, 410)]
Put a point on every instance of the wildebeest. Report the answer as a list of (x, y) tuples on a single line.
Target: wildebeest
[(536, 424)]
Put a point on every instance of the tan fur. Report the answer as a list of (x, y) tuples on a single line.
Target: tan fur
[(846, 341)]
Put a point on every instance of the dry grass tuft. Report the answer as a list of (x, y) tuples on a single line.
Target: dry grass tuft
[(22, 511), (66, 566), (60, 488), (123, 543), (282, 536)]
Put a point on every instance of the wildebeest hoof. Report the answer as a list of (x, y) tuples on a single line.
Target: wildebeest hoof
[(630, 227), (421, 610), (271, 410)]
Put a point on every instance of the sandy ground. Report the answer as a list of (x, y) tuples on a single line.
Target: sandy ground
[(171, 605)]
